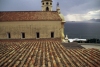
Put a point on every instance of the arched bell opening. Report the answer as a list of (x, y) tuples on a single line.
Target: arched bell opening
[(47, 9)]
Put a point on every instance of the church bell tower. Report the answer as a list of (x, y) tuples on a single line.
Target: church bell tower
[(46, 5)]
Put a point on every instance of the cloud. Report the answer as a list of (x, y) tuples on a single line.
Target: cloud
[(20, 5), (66, 6), (89, 5), (77, 6), (83, 17)]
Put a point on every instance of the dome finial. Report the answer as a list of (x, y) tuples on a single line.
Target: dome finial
[(58, 8), (58, 4)]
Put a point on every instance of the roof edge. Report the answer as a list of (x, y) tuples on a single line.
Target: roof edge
[(28, 11)]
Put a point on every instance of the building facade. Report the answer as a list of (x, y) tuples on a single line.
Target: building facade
[(32, 24)]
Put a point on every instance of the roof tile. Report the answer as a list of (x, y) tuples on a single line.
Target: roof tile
[(45, 53), (30, 16)]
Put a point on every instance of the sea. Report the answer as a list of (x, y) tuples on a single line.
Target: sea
[(82, 30)]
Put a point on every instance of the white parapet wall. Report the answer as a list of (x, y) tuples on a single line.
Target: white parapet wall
[(76, 39)]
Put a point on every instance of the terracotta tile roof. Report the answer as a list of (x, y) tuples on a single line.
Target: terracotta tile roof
[(45, 53), (30, 16)]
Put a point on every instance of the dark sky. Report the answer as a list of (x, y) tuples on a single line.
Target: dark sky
[(73, 10)]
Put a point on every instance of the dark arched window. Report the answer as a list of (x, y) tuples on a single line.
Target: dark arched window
[(47, 9), (47, 3), (42, 3), (50, 3)]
